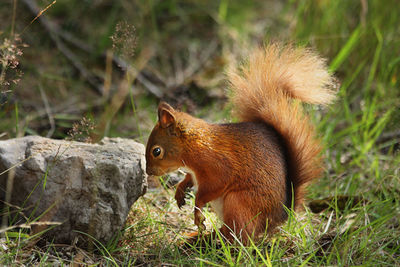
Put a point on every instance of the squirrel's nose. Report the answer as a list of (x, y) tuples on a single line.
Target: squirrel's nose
[(150, 171)]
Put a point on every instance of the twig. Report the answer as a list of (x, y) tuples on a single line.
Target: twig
[(28, 225), (9, 189), (48, 111), (204, 57), (74, 41), (388, 136), (42, 11), (364, 12), (179, 72), (13, 17), (18, 209), (140, 77)]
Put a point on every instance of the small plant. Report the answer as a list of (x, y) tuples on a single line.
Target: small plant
[(82, 131), (10, 53), (124, 40)]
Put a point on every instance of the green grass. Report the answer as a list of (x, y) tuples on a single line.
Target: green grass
[(361, 41)]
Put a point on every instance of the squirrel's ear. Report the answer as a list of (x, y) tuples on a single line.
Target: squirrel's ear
[(165, 115)]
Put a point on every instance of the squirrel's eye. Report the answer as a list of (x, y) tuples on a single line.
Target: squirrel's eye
[(158, 152)]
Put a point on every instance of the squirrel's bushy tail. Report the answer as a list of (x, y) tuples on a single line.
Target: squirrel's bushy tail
[(263, 89)]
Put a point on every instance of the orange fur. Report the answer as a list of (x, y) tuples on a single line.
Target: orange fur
[(247, 170), (262, 92)]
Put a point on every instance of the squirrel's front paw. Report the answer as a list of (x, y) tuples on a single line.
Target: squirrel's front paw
[(180, 197)]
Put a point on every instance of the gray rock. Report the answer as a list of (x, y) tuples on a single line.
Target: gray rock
[(87, 187)]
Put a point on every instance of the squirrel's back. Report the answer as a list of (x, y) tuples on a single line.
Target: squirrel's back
[(264, 89)]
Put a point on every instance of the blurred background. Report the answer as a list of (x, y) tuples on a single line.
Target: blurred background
[(81, 70), (87, 69), (98, 68)]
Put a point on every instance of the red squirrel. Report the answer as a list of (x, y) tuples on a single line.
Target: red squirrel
[(248, 171)]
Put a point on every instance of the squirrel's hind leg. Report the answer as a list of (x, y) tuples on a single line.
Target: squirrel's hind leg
[(239, 218)]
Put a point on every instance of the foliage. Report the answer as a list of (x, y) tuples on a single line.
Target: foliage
[(182, 48)]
